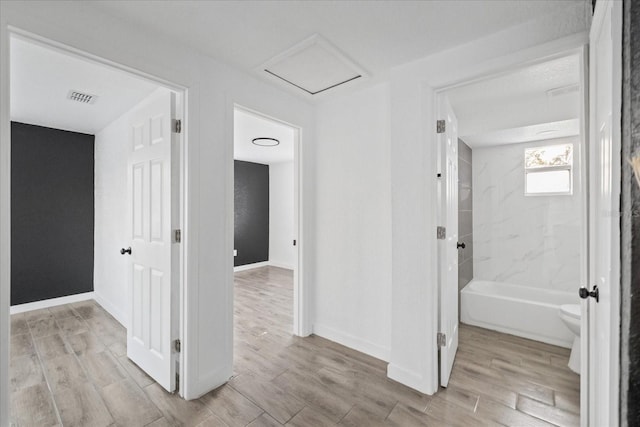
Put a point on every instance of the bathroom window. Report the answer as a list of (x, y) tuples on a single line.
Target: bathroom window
[(548, 170)]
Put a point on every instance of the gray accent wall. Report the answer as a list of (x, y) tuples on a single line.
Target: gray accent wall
[(52, 213), (251, 212), (465, 214)]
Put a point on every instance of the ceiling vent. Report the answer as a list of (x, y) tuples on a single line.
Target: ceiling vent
[(84, 98), (314, 66)]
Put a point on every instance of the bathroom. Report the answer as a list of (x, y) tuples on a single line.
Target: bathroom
[(522, 209)]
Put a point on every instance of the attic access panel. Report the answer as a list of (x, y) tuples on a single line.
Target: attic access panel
[(314, 66)]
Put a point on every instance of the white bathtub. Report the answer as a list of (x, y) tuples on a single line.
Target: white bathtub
[(517, 310)]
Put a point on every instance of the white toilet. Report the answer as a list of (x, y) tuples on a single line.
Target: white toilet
[(570, 315)]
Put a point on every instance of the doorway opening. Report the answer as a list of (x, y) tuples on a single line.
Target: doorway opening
[(266, 232), (98, 192), (512, 187)]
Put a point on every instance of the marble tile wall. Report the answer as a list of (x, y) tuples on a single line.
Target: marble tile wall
[(525, 240), (465, 214)]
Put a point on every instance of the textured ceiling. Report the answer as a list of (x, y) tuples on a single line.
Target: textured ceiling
[(41, 78), (377, 35), (519, 102)]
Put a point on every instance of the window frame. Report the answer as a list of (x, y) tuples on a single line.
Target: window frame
[(552, 168)]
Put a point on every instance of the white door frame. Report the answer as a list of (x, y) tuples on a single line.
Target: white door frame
[(299, 290), (593, 400), (557, 49), (182, 151)]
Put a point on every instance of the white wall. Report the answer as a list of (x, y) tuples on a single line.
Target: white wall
[(111, 269), (281, 211), (525, 240), (110, 275), (353, 284), (213, 88)]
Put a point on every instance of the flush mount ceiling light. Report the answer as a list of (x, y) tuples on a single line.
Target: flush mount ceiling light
[(265, 142), (313, 65)]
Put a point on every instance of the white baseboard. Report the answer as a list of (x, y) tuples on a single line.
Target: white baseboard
[(111, 308), (52, 302), (203, 384), (351, 341), (262, 264), (281, 265), (409, 378), (250, 266)]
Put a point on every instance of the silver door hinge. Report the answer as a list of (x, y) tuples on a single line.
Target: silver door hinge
[(441, 126), (442, 339), (441, 233), (177, 346), (177, 236), (177, 125)]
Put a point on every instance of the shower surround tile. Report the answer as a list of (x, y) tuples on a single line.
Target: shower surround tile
[(465, 214), (524, 240)]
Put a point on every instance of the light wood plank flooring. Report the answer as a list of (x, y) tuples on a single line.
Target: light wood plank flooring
[(68, 367)]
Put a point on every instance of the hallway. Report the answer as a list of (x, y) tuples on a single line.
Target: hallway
[(69, 367), (497, 379)]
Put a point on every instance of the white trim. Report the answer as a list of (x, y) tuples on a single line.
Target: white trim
[(351, 341), (409, 378), (251, 266), (118, 314), (514, 61), (596, 402), (51, 302), (302, 325), (87, 56), (585, 232), (201, 388), (5, 223), (262, 264), (281, 265)]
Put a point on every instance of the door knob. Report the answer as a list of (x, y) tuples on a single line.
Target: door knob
[(460, 245), (585, 293), (125, 251)]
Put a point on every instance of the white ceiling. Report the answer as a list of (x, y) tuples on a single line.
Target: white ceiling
[(41, 78), (377, 35), (247, 126), (518, 106)]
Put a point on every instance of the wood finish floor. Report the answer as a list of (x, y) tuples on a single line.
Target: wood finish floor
[(68, 367)]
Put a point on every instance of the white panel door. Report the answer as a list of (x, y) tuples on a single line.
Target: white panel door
[(447, 248), (149, 340), (604, 183)]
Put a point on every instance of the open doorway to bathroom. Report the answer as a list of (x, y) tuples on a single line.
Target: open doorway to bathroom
[(266, 218), (517, 149)]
